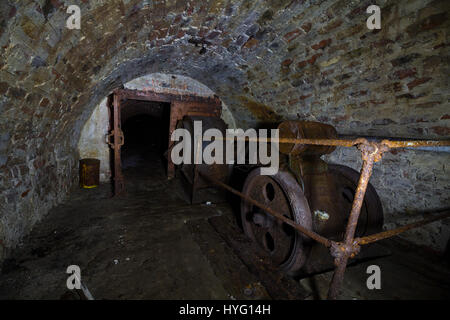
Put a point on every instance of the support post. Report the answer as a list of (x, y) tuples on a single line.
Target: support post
[(371, 152)]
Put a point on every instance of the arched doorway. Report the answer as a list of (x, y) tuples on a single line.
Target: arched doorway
[(175, 90)]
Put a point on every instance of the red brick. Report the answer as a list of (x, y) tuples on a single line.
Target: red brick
[(292, 35), (322, 44), (307, 27), (301, 64), (401, 74), (331, 26), (293, 101), (417, 82), (44, 102), (286, 63), (442, 131), (304, 97), (25, 193), (314, 58), (180, 33), (377, 102)]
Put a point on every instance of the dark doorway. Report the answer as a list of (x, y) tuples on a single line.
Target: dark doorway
[(145, 126), (168, 108)]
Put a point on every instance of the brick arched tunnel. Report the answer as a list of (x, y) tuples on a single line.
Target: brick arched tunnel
[(267, 61)]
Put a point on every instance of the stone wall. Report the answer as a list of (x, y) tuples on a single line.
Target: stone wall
[(267, 60)]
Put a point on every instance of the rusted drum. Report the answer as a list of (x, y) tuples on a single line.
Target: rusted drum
[(371, 217), (289, 249), (305, 130), (89, 173), (281, 192)]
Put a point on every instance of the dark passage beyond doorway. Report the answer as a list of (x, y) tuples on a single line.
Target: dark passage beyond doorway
[(145, 126)]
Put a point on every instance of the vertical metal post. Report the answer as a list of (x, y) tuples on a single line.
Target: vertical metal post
[(176, 113), (368, 155), (119, 185)]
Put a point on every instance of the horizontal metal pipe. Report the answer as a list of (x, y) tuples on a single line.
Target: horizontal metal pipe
[(416, 143), (390, 233), (348, 142), (277, 215)]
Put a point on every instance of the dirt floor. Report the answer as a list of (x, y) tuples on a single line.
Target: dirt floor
[(152, 244)]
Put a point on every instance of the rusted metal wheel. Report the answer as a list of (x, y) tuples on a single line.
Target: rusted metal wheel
[(371, 216), (281, 192)]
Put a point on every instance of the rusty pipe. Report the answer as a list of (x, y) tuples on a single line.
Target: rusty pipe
[(390, 233), (348, 142), (416, 143), (369, 153)]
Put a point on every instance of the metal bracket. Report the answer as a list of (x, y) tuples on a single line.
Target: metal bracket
[(119, 135)]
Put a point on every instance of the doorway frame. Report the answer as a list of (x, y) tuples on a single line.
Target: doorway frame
[(180, 105)]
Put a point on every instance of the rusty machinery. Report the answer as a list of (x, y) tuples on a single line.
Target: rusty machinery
[(310, 207), (310, 192)]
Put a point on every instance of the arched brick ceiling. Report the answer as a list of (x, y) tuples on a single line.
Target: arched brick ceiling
[(267, 60)]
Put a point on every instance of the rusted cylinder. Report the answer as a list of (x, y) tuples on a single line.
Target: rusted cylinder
[(89, 173), (306, 130)]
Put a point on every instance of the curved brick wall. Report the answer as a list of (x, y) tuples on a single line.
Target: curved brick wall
[(267, 60)]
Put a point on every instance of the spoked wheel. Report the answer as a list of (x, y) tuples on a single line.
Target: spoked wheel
[(280, 192), (371, 216)]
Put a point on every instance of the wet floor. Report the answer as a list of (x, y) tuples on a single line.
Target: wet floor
[(152, 244)]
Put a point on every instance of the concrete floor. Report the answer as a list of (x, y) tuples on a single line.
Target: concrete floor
[(151, 244)]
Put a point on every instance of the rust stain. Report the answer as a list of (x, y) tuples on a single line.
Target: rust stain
[(24, 194), (260, 111)]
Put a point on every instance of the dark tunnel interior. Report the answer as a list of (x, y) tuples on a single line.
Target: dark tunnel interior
[(312, 160), (145, 127)]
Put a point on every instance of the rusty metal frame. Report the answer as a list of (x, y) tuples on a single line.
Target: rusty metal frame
[(349, 247), (181, 105), (118, 141)]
